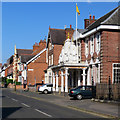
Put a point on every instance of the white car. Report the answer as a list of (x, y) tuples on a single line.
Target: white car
[(46, 88)]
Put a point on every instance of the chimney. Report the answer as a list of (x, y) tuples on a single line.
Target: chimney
[(89, 21), (90, 17), (69, 31)]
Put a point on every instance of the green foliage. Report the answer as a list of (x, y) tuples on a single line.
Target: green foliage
[(18, 83), (9, 81), (4, 79)]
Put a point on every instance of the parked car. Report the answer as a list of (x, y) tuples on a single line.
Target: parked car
[(81, 92), (46, 88)]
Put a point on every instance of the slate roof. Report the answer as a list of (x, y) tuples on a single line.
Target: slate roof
[(26, 54), (25, 58), (111, 18), (24, 51), (57, 36), (81, 30)]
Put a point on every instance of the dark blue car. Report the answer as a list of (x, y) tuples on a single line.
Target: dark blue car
[(82, 92)]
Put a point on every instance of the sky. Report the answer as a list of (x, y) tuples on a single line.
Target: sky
[(24, 23)]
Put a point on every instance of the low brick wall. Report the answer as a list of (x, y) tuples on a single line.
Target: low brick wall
[(17, 86), (32, 88), (103, 91)]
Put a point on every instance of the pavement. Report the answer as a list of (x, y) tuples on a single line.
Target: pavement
[(95, 107)]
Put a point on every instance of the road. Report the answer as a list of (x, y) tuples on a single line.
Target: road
[(18, 106)]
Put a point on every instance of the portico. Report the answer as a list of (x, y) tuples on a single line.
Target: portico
[(67, 76)]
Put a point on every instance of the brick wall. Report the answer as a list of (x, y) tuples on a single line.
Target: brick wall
[(56, 52), (38, 67), (83, 50), (109, 53), (39, 46)]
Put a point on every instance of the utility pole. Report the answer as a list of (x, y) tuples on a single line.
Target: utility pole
[(15, 67), (35, 84)]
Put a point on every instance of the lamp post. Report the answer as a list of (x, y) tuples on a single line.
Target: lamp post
[(35, 84)]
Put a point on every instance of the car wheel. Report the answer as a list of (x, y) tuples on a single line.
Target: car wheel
[(45, 91), (79, 97)]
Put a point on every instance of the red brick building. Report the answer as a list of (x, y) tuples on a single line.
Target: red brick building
[(37, 64), (55, 42), (98, 54)]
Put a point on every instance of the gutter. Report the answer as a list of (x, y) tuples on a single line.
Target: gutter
[(70, 65), (109, 27)]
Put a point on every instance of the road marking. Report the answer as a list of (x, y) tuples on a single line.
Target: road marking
[(43, 113), (71, 107), (7, 97), (14, 99), (25, 104)]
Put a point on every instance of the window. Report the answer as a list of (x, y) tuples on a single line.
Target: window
[(116, 73), (98, 43), (50, 46), (20, 67), (91, 45), (86, 47), (19, 78), (50, 85), (47, 55), (50, 77), (51, 59)]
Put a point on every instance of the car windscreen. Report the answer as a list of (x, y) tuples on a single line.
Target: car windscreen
[(43, 85), (50, 85)]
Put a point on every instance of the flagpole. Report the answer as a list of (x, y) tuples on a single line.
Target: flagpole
[(76, 33)]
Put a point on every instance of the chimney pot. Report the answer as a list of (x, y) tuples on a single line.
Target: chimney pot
[(93, 17), (90, 16), (70, 26)]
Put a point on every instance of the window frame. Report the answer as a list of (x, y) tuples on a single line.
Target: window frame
[(113, 68), (98, 43), (92, 45)]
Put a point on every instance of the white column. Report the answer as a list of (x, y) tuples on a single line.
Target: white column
[(62, 81), (53, 81), (66, 80), (84, 77), (88, 77), (45, 77), (57, 81), (79, 83)]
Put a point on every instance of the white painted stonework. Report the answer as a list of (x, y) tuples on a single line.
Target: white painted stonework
[(68, 53)]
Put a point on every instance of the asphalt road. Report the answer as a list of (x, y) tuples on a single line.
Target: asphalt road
[(18, 106)]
